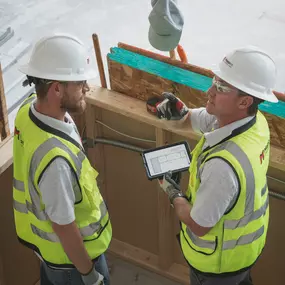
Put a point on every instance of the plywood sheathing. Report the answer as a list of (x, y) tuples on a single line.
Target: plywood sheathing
[(143, 85)]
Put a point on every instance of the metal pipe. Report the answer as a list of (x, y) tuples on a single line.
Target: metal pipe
[(279, 196), (119, 144), (273, 194)]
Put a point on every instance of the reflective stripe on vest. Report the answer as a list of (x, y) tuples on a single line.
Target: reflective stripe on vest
[(39, 154), (35, 197), (18, 185), (28, 100), (245, 239), (85, 231), (249, 215), (200, 242)]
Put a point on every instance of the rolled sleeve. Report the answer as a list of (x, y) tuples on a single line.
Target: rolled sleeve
[(217, 193), (56, 186), (201, 120)]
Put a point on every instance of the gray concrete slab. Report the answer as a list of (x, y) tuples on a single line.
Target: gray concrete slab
[(124, 273)]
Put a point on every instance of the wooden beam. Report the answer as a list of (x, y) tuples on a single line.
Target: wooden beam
[(166, 59), (172, 54), (96, 153), (165, 222), (2, 273), (100, 65), (143, 85), (136, 110), (149, 261), (4, 124), (6, 153)]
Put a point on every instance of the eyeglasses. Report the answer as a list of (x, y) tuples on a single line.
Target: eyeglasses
[(221, 87), (82, 83)]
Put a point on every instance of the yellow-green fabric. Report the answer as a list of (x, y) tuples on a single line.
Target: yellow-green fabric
[(237, 240), (36, 146)]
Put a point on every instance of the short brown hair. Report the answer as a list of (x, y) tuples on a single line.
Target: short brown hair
[(41, 85), (42, 88)]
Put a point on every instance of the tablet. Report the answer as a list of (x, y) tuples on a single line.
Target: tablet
[(175, 157)]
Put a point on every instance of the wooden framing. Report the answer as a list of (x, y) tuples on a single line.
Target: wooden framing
[(143, 85), (136, 110), (4, 125), (144, 223)]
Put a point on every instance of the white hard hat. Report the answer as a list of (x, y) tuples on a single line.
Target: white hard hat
[(59, 57), (250, 70)]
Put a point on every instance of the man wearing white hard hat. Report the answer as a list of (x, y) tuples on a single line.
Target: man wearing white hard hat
[(59, 211), (224, 214)]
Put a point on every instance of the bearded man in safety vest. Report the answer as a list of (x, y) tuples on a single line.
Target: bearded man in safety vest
[(224, 214), (59, 211)]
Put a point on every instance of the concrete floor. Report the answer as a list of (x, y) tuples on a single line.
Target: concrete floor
[(123, 273)]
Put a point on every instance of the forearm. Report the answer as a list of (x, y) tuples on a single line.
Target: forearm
[(73, 246), (182, 210)]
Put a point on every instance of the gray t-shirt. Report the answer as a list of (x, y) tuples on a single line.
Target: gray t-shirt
[(58, 185), (219, 185)]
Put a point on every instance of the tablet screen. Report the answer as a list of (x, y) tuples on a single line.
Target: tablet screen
[(169, 158)]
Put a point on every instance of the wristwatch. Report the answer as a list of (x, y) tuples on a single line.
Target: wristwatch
[(176, 195)]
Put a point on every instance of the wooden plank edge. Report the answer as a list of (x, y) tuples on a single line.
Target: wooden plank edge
[(148, 261), (165, 59), (135, 108), (164, 215), (178, 63), (6, 153)]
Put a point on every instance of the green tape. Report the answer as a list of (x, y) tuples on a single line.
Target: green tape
[(179, 75)]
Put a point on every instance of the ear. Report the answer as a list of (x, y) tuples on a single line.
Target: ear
[(245, 102), (56, 89)]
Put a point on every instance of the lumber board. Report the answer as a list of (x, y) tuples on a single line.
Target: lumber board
[(164, 214), (143, 85), (160, 57), (96, 154), (6, 153), (136, 110), (4, 125), (149, 261), (178, 63)]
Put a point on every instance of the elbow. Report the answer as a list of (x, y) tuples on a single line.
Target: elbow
[(200, 233), (197, 229)]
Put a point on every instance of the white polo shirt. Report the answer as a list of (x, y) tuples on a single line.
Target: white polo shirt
[(219, 185), (58, 185)]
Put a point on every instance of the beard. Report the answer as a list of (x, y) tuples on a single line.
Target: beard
[(71, 105)]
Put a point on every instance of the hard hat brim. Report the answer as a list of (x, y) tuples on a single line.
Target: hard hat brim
[(90, 74)]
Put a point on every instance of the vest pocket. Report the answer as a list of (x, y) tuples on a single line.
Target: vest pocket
[(90, 188), (202, 245)]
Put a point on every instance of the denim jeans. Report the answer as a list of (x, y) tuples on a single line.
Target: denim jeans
[(197, 278), (50, 276)]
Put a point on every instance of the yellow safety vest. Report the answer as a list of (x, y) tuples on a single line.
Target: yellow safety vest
[(237, 240), (36, 145)]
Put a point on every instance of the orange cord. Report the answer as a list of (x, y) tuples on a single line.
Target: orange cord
[(182, 54)]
